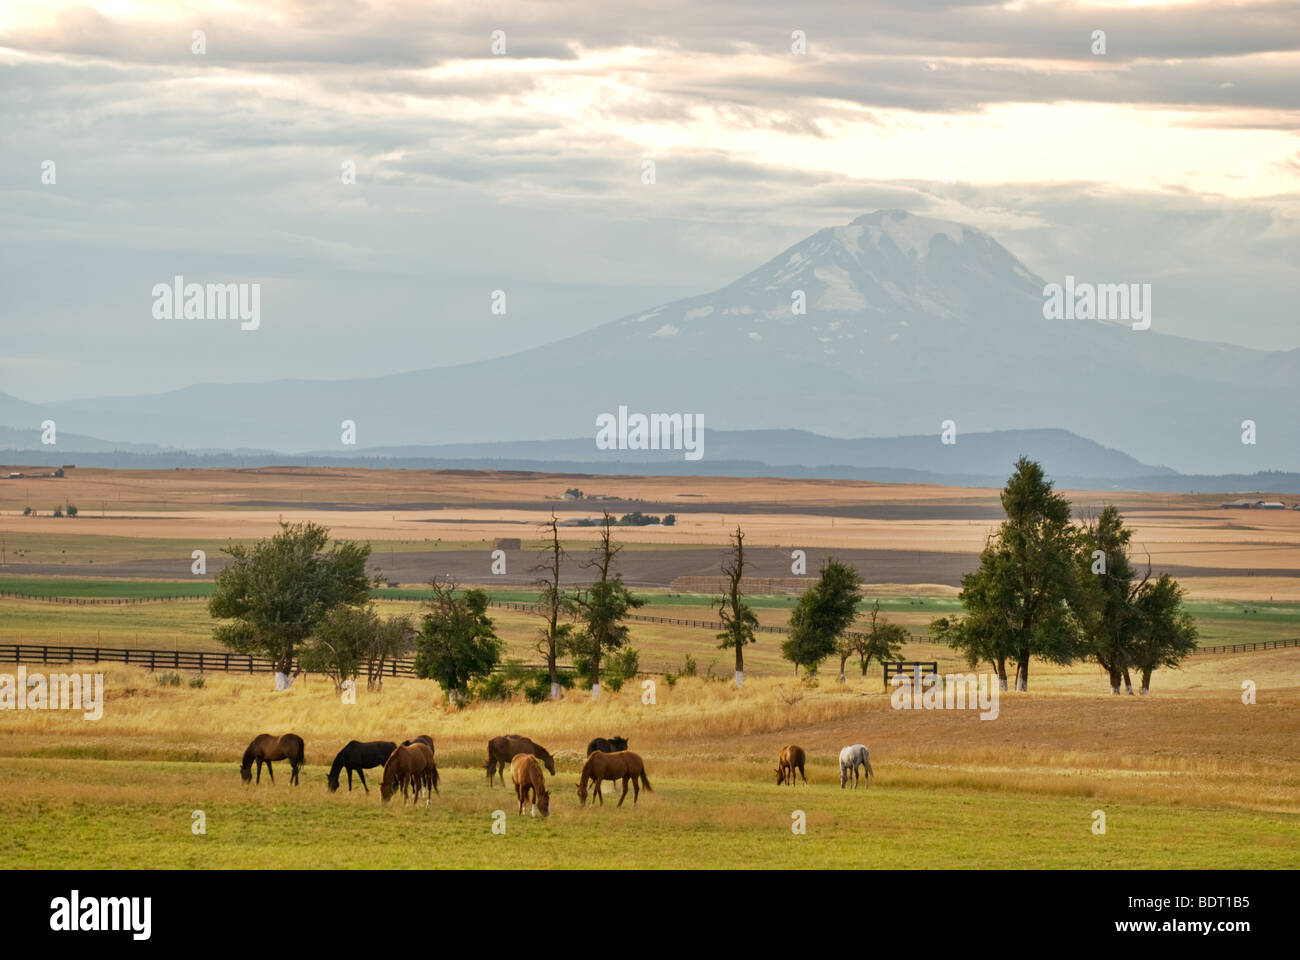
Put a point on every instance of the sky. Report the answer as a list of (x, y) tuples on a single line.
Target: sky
[(1171, 158)]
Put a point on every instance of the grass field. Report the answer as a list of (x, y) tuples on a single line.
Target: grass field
[(1189, 777)]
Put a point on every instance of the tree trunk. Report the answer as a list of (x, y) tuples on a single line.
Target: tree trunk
[(1114, 681), (740, 667), (1022, 671), (1146, 682), (1002, 673), (1128, 684), (843, 660)]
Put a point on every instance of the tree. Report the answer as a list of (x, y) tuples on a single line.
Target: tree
[(456, 644), (394, 638), (1105, 594), (555, 636), (72, 509), (882, 642), (275, 592), (1016, 601), (1164, 633), (602, 607), (338, 645), (670, 520), (738, 618), (824, 611)]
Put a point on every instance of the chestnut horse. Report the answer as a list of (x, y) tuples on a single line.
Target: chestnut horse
[(792, 759), (265, 748), (624, 765), (527, 774), (410, 766), (501, 750)]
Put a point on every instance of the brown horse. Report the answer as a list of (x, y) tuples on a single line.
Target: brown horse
[(792, 759), (267, 747), (409, 766), (624, 765), (526, 772), (501, 750)]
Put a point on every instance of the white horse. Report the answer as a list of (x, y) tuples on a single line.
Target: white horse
[(850, 759)]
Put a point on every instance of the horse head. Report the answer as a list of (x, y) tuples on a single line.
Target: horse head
[(544, 803)]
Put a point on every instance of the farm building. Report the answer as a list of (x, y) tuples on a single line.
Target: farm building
[(1270, 505), (1238, 505)]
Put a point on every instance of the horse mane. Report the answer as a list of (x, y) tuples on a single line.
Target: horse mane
[(248, 758)]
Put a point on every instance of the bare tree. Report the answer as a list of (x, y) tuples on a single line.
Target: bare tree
[(555, 635)]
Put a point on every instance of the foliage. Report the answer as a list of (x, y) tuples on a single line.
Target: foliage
[(824, 611), (456, 644), (274, 593)]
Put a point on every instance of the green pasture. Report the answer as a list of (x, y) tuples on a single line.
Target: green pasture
[(75, 813)]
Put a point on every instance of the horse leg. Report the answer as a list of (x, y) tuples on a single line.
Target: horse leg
[(599, 795), (620, 799), (270, 772), (801, 773), (259, 770), (636, 790)]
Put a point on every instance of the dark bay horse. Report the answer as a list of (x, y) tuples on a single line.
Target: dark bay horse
[(265, 748), (624, 766), (422, 738), (528, 778), (360, 757), (410, 766), (612, 745), (792, 759), (501, 750)]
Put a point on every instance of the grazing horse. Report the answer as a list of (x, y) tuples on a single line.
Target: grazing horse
[(407, 766), (624, 765), (360, 757), (612, 745), (850, 759), (265, 748), (422, 738), (792, 759), (501, 750), (527, 775)]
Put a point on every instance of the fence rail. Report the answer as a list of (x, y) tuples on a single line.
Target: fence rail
[(204, 661), (102, 601)]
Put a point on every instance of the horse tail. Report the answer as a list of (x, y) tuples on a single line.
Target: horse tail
[(645, 782), (867, 760), (302, 750)]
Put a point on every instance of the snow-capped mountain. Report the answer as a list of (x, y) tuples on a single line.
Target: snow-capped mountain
[(886, 326)]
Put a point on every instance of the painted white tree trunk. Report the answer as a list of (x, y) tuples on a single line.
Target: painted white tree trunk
[(556, 691), (740, 679), (283, 681), (1114, 688), (1020, 684), (595, 691), (841, 676), (1002, 683), (453, 697), (1144, 691)]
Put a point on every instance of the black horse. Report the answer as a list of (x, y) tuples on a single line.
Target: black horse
[(359, 756), (422, 738), (612, 745)]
